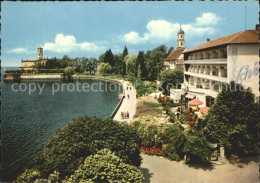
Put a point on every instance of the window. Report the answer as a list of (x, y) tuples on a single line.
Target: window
[(209, 101)]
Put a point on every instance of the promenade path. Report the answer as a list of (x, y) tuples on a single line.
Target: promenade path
[(128, 104), (161, 170)]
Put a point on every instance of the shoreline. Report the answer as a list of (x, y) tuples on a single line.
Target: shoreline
[(124, 105)]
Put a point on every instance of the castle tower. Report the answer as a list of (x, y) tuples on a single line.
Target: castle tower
[(40, 53), (180, 38)]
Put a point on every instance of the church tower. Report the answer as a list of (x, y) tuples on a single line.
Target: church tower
[(40, 53), (180, 38)]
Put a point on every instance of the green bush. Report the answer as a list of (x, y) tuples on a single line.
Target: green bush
[(68, 71), (83, 137), (105, 166), (197, 149), (29, 175), (149, 133), (173, 140)]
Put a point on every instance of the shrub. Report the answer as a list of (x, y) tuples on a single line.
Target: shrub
[(197, 150), (84, 137), (104, 68), (29, 175), (105, 166), (173, 140)]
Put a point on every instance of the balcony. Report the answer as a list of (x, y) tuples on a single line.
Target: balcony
[(207, 61), (207, 91), (206, 76)]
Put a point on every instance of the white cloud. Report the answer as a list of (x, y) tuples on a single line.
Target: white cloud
[(19, 51), (162, 30), (207, 19), (68, 43)]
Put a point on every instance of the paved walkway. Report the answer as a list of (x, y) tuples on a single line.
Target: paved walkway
[(128, 104), (161, 170)]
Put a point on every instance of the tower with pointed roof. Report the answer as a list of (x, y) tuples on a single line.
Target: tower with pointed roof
[(180, 38)]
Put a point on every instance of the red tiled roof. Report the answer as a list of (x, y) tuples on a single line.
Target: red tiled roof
[(248, 36), (175, 54)]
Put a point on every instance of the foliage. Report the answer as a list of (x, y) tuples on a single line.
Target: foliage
[(33, 175), (104, 68), (125, 52), (169, 51), (68, 71), (233, 120), (183, 118), (105, 166), (140, 66), (84, 137), (171, 78), (149, 131), (130, 61), (197, 150), (29, 175), (173, 140), (142, 87), (119, 64), (109, 58), (151, 104)]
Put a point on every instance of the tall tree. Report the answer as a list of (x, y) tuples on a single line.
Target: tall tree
[(141, 64), (109, 58), (130, 61), (234, 120), (125, 53)]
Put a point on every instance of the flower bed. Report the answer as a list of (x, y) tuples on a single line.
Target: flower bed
[(152, 151)]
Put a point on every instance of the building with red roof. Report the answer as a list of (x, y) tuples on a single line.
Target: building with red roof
[(230, 58), (176, 58)]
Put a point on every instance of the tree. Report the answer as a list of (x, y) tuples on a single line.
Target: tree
[(234, 120), (104, 68), (171, 78), (109, 58), (106, 166), (130, 61), (125, 53), (83, 137), (118, 68), (140, 65), (65, 61), (68, 71), (197, 150), (92, 65), (169, 51), (173, 140)]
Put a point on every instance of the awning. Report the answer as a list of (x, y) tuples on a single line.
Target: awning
[(183, 92), (190, 96)]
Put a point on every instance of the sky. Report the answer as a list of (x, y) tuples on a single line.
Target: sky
[(88, 29)]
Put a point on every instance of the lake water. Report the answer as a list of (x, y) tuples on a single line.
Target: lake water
[(29, 120)]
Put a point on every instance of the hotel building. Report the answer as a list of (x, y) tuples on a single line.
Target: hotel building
[(230, 58)]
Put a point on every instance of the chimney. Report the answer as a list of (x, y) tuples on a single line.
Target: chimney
[(257, 27), (208, 40)]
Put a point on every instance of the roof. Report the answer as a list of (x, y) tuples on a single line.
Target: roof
[(248, 36), (181, 31), (175, 54), (30, 60)]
